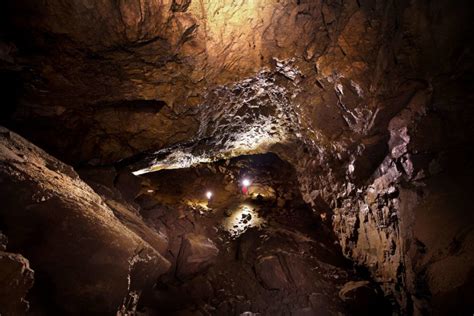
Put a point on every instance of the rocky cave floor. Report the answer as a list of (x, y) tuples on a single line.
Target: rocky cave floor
[(263, 252)]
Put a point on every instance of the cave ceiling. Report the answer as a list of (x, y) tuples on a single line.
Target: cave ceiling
[(136, 76)]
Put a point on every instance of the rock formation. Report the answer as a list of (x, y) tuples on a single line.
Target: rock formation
[(16, 278), (87, 259), (367, 104)]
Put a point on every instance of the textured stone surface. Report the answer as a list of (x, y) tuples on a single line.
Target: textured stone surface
[(143, 51), (369, 100), (118, 190), (363, 298), (16, 278), (73, 240), (196, 254), (270, 272)]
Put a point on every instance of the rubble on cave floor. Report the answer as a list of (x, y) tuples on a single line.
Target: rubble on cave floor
[(163, 247), (263, 252)]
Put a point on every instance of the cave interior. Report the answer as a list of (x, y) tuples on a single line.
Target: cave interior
[(223, 157)]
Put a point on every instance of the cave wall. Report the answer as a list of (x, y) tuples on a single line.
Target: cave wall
[(84, 258), (379, 180)]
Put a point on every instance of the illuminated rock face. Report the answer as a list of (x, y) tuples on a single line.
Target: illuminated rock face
[(251, 116), (146, 50), (85, 255), (367, 99)]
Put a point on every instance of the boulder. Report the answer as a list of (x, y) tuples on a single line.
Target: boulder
[(86, 258), (361, 297), (196, 254), (354, 290), (102, 181), (16, 278), (270, 272)]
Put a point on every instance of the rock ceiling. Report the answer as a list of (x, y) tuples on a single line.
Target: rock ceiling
[(87, 61)]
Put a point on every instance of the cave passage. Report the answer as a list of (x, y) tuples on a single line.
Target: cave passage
[(260, 250), (236, 158)]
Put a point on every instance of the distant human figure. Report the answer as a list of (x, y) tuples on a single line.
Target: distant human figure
[(245, 186)]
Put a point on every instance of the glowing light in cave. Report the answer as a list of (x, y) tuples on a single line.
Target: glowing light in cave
[(230, 30), (242, 218), (209, 195), (246, 182)]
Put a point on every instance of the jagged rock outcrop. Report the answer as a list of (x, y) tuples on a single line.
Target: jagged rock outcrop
[(80, 251), (133, 72)]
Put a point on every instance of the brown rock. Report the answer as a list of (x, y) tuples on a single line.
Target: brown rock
[(306, 311), (361, 297), (16, 278), (352, 289), (70, 236), (197, 253), (128, 184), (104, 80), (270, 271), (265, 191)]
